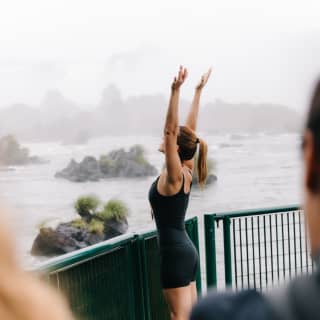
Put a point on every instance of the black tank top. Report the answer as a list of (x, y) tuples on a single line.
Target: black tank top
[(169, 212)]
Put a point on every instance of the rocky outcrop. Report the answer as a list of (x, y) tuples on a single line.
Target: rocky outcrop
[(67, 237), (93, 226), (118, 163), (12, 154), (87, 170), (210, 179)]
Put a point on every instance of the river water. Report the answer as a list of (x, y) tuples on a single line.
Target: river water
[(254, 171)]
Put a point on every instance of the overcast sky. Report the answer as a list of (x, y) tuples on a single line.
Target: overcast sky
[(260, 51)]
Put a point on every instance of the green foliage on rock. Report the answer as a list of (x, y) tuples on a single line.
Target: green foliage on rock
[(79, 224), (11, 152), (96, 226), (138, 154), (86, 205), (114, 209), (107, 165)]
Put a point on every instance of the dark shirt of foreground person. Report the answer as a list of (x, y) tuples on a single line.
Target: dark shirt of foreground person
[(300, 299)]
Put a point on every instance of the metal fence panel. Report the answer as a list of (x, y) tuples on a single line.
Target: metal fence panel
[(262, 248), (157, 306), (193, 232), (96, 288), (114, 280)]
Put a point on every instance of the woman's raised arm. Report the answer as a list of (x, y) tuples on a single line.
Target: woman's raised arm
[(194, 109), (171, 130)]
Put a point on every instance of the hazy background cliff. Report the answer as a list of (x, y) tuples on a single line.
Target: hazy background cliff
[(61, 119)]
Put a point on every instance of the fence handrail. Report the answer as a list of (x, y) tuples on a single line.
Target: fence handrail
[(138, 255), (68, 260), (253, 212), (84, 276)]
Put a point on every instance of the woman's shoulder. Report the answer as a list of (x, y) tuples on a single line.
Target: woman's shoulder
[(165, 188)]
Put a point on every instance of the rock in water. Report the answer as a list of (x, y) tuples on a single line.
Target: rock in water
[(114, 228), (87, 170), (210, 179), (118, 163), (12, 154), (51, 242), (66, 237)]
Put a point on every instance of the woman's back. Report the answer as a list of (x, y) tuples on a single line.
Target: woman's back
[(169, 211)]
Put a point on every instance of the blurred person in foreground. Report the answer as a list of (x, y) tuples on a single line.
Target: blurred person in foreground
[(300, 299), (23, 296)]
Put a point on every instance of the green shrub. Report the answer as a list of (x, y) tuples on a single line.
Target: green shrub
[(11, 152), (86, 205), (141, 160), (114, 209), (138, 152), (96, 226), (106, 164), (137, 149), (79, 224)]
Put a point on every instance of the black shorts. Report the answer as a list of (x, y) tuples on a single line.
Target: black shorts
[(178, 265)]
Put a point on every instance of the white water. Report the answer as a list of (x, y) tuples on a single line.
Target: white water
[(253, 171)]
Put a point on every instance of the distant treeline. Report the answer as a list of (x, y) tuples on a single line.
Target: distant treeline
[(58, 118)]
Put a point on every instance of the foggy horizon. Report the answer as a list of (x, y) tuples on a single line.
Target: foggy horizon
[(258, 54)]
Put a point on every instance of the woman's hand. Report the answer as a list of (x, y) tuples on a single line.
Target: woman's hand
[(179, 80), (204, 80)]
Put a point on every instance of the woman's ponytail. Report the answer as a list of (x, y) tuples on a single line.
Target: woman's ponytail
[(202, 163)]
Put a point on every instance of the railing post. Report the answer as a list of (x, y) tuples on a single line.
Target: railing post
[(138, 278), (227, 251), (196, 242), (192, 230), (145, 283), (210, 243), (130, 290)]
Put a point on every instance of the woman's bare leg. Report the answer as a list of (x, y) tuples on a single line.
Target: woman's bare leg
[(194, 293), (179, 301)]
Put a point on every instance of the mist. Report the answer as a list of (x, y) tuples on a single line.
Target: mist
[(259, 53)]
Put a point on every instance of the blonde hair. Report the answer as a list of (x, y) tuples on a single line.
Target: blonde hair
[(22, 295), (202, 163)]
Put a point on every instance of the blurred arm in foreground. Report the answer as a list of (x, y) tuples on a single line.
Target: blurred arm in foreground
[(22, 295)]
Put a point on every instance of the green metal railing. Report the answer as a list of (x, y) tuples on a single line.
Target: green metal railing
[(261, 248), (116, 279), (120, 278)]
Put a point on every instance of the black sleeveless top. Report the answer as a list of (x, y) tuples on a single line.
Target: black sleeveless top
[(169, 212)]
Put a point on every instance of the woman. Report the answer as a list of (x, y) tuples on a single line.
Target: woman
[(169, 196), (22, 296)]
